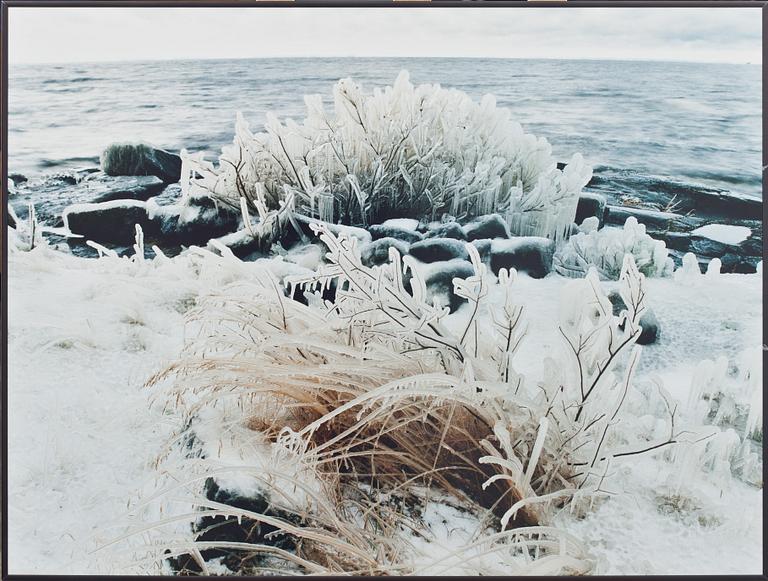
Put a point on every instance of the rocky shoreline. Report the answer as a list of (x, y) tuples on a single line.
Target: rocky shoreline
[(103, 205)]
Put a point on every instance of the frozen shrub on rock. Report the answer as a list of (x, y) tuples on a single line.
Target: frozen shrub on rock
[(377, 392), (605, 250), (401, 151)]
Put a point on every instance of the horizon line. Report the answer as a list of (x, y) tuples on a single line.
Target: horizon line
[(357, 57)]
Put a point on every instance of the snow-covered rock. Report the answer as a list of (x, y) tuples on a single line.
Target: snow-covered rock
[(109, 221), (591, 205), (723, 233), (223, 529), (195, 220), (491, 226), (439, 249), (446, 230), (483, 246), (52, 195), (438, 278), (141, 159), (377, 252), (402, 223), (529, 254), (393, 231)]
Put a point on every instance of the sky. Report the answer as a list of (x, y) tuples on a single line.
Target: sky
[(42, 35)]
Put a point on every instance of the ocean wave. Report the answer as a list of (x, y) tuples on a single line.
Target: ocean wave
[(73, 80), (49, 163)]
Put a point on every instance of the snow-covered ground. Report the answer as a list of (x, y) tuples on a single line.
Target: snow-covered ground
[(85, 335)]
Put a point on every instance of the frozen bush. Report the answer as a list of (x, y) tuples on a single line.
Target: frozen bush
[(605, 250), (401, 151), (378, 391)]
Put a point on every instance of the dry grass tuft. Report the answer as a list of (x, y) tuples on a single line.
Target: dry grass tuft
[(371, 393)]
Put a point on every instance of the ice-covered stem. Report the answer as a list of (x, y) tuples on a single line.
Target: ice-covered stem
[(365, 295), (509, 325), (475, 290), (596, 338), (32, 226)]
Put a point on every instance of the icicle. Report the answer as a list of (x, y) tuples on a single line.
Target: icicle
[(536, 452), (186, 174), (325, 208), (247, 217), (138, 247), (689, 272)]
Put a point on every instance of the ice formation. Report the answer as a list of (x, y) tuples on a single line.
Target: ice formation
[(605, 250)]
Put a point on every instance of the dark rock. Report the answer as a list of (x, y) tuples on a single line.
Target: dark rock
[(140, 159), (654, 220), (530, 254), (702, 246), (439, 281), (491, 226), (737, 264), (17, 178), (383, 231), (675, 240), (662, 192), (648, 320), (591, 205), (53, 194), (228, 529), (438, 250), (170, 195), (195, 221), (447, 230), (377, 252), (112, 222)]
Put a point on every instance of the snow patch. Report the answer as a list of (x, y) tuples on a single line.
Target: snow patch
[(724, 233)]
